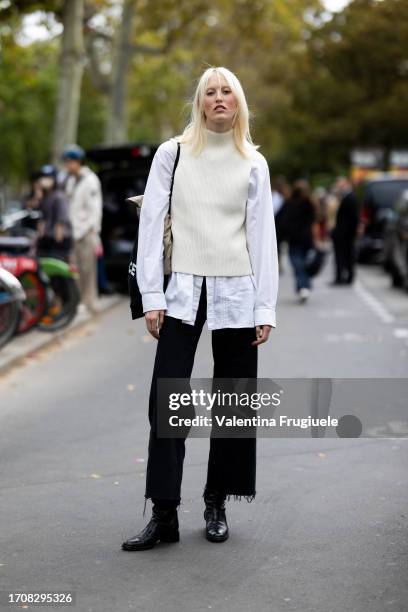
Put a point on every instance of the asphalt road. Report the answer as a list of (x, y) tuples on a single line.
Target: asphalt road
[(326, 533)]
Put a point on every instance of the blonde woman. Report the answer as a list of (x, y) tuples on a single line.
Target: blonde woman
[(224, 270)]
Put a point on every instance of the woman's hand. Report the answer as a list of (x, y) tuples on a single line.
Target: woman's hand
[(154, 322), (262, 334)]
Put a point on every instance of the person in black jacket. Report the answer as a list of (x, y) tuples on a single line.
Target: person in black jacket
[(344, 233), (299, 227), (281, 192)]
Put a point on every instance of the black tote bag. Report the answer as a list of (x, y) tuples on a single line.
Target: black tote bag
[(135, 296), (315, 260)]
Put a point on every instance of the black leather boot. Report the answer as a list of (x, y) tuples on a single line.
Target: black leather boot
[(162, 527), (216, 529)]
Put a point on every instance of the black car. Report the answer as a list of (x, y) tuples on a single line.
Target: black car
[(123, 171), (396, 242), (377, 198)]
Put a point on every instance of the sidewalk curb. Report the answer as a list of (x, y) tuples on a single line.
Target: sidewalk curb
[(20, 347)]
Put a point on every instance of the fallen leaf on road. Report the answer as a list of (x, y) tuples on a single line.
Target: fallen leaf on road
[(95, 476)]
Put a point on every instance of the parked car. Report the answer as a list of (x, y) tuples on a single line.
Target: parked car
[(377, 198), (123, 171), (396, 243)]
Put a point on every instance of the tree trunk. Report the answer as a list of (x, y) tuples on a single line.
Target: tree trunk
[(116, 129), (71, 65)]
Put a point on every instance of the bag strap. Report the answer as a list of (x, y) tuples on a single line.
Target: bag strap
[(172, 176)]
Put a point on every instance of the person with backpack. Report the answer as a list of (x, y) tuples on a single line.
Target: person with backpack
[(224, 269)]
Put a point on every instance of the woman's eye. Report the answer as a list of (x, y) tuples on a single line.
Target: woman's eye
[(225, 91)]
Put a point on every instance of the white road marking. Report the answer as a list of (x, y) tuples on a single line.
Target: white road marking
[(401, 333), (375, 305), (353, 337)]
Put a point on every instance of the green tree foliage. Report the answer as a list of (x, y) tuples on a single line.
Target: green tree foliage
[(350, 88), (316, 86), (260, 41), (17, 8), (27, 98)]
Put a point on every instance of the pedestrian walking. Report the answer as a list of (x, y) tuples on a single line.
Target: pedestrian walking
[(54, 227), (280, 194), (302, 234), (224, 270), (345, 232), (84, 192)]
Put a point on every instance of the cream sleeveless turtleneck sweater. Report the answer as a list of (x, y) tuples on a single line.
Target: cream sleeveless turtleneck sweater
[(208, 208)]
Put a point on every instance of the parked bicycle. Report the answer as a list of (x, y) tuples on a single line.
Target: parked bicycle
[(50, 283), (12, 297)]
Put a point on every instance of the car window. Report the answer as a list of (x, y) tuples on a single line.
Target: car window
[(401, 205), (384, 194)]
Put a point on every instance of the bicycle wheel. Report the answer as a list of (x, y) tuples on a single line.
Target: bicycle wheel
[(10, 311), (35, 304), (63, 306)]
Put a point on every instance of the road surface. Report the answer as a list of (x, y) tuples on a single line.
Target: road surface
[(326, 533)]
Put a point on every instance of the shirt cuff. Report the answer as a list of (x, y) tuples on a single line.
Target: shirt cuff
[(265, 316), (154, 300)]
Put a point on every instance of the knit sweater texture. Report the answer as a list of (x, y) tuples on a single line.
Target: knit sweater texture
[(208, 209)]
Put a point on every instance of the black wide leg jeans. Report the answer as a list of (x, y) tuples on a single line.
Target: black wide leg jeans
[(232, 461)]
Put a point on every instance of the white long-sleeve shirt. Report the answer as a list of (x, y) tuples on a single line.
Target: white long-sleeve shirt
[(232, 301)]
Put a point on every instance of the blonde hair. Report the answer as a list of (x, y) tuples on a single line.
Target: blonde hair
[(194, 133)]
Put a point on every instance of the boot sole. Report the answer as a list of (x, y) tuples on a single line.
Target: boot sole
[(134, 548), (217, 538), (169, 539)]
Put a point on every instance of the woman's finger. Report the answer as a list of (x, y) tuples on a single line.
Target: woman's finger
[(161, 318), (151, 323), (153, 328), (262, 334), (258, 340)]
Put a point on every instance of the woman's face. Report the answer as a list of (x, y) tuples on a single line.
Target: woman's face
[(220, 103), (46, 182)]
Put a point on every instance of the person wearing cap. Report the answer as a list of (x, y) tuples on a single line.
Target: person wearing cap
[(54, 228), (84, 192)]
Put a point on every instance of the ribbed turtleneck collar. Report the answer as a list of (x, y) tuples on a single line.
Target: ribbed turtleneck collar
[(219, 138)]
